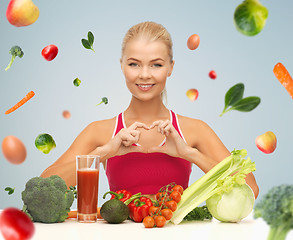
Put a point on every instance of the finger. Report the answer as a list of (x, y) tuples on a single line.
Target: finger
[(156, 123), (138, 125)]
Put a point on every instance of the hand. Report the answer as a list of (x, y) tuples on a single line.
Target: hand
[(174, 145), (122, 142)]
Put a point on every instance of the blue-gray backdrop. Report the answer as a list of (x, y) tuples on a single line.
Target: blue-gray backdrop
[(235, 57)]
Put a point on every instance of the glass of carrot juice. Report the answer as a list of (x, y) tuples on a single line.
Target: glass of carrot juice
[(87, 176)]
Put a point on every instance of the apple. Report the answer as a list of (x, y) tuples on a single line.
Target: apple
[(266, 142), (192, 94), (22, 13)]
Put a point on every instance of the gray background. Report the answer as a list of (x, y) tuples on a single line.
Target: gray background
[(235, 57)]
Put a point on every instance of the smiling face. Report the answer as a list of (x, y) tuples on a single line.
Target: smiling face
[(146, 66)]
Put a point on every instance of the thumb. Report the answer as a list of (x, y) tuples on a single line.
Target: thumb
[(156, 149)]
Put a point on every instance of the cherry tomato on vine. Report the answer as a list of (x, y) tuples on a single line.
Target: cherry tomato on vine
[(148, 222), (176, 196), (160, 221), (153, 210), (167, 213), (160, 195), (178, 188), (16, 225), (172, 205), (50, 52)]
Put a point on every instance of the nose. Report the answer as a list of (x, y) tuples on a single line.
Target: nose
[(145, 73)]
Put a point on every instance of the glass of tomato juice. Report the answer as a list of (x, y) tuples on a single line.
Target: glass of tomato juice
[(87, 175)]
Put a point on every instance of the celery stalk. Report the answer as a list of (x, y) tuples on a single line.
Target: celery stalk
[(229, 172)]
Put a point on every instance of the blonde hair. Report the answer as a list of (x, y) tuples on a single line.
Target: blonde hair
[(150, 31)]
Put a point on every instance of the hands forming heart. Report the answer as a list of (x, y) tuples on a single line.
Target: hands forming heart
[(174, 144)]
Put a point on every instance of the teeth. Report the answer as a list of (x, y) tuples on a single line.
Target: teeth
[(145, 86)]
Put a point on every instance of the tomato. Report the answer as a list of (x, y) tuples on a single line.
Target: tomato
[(153, 210), (193, 42), (16, 225), (148, 222), (176, 196), (212, 74), (172, 205), (167, 213), (160, 221), (178, 188), (50, 52)]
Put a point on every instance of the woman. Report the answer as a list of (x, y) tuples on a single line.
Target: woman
[(147, 146)]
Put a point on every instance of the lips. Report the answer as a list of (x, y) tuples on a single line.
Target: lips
[(145, 87)]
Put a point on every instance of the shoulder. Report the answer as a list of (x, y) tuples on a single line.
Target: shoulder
[(191, 123), (194, 130), (99, 131)]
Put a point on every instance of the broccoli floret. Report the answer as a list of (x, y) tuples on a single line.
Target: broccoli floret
[(47, 200), (276, 208), (45, 143), (15, 51)]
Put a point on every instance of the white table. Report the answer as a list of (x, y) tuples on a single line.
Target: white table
[(247, 229)]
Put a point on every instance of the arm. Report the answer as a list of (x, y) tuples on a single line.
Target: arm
[(95, 139)]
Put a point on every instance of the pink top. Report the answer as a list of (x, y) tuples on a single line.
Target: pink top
[(146, 172)]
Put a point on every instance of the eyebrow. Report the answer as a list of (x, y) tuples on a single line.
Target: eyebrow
[(156, 59)]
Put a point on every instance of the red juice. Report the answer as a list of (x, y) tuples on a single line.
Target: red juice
[(87, 191)]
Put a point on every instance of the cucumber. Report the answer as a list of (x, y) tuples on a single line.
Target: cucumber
[(114, 211)]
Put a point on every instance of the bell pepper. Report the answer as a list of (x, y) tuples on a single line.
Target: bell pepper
[(121, 195), (139, 208)]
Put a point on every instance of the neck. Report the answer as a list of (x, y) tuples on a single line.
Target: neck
[(146, 111)]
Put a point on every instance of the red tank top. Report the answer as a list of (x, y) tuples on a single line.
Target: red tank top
[(146, 172)]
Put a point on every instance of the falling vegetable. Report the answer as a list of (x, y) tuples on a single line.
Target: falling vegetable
[(50, 52), (284, 77), (76, 82), (66, 114), (250, 17), (234, 99), (21, 102), (192, 94), (9, 190), (212, 74), (88, 43), (104, 100), (15, 51), (45, 143)]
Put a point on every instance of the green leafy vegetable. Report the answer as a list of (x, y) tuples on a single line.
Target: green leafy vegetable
[(76, 82), (276, 208), (15, 51), (199, 214), (104, 100), (47, 200), (88, 43), (221, 178), (250, 17), (45, 143), (9, 190), (234, 100)]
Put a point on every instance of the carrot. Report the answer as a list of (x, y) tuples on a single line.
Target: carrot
[(99, 213), (284, 77), (73, 213), (21, 102)]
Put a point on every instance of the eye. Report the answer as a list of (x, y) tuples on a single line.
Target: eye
[(132, 64), (157, 65)]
